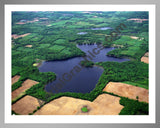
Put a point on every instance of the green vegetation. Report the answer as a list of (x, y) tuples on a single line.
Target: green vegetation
[(35, 64), (56, 37), (133, 107), (14, 113), (140, 84), (127, 47), (84, 109), (133, 71), (87, 63)]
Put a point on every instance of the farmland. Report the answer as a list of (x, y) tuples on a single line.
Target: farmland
[(41, 37)]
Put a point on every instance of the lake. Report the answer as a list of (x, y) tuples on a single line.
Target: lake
[(71, 77), (103, 28)]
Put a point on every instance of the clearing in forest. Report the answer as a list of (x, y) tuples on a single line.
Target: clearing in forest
[(25, 85), (29, 46), (127, 90), (15, 36), (104, 104), (137, 20), (134, 37)]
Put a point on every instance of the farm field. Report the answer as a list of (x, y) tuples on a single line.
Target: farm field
[(15, 79), (26, 85), (103, 105), (145, 58), (129, 91), (26, 105)]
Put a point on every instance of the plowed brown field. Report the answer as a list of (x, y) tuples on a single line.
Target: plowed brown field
[(127, 90), (25, 105), (145, 58), (15, 79), (25, 85), (104, 104)]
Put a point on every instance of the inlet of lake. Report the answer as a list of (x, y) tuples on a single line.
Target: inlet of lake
[(82, 81)]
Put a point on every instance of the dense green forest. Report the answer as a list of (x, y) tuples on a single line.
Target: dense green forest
[(55, 36)]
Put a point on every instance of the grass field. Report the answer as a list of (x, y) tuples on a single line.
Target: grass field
[(57, 48), (132, 48)]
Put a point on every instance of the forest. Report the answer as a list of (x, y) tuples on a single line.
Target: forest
[(55, 36)]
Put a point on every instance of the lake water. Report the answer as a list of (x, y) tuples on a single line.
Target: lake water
[(103, 28), (71, 77)]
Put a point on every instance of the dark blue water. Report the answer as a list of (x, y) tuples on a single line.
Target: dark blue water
[(71, 77)]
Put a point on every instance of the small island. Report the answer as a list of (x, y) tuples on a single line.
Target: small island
[(87, 63)]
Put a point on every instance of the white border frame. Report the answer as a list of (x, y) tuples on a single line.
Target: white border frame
[(78, 118)]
